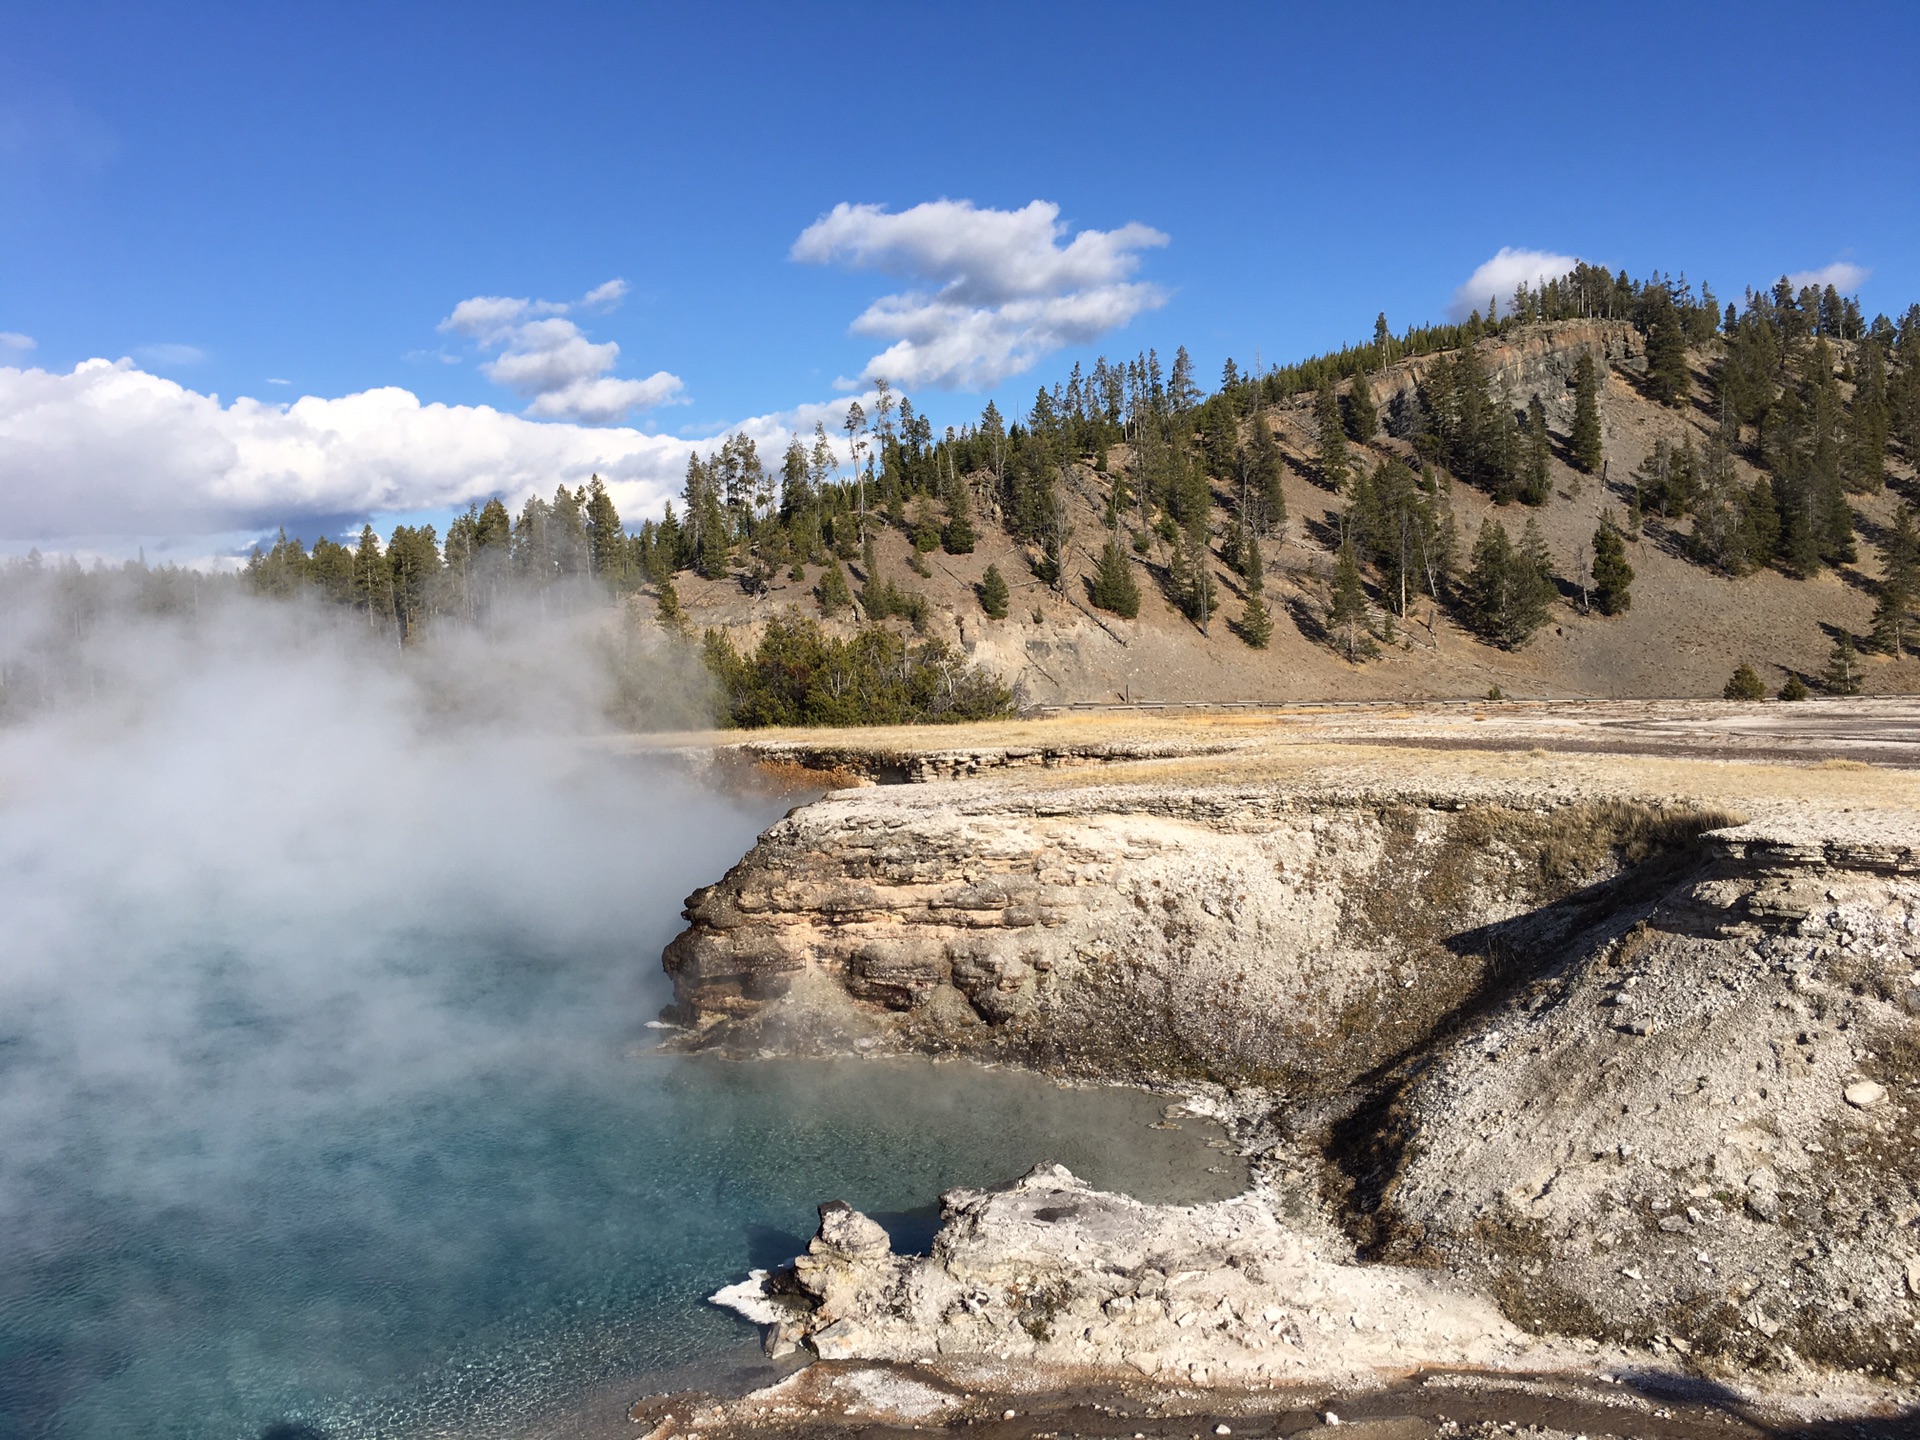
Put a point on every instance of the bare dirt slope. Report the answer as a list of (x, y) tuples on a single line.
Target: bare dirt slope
[(1688, 628)]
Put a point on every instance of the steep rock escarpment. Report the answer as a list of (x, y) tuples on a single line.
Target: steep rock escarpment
[(1540, 360), (1239, 936), (1641, 1073)]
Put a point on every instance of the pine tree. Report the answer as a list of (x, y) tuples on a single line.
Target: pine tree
[(1114, 588), (1348, 624), (796, 480), (494, 529), (1899, 582), (1195, 571), (1334, 464), (567, 532), (1536, 469), (1363, 420), (331, 571), (1794, 689), (1668, 378), (1182, 392), (993, 593), (667, 606), (958, 538), (855, 424), (1744, 685), (1804, 439), (1256, 625), (1612, 575), (1868, 422), (1508, 588), (1534, 585), (1842, 675), (1586, 444), (1265, 470), (1489, 575), (372, 579), (832, 590), (606, 541)]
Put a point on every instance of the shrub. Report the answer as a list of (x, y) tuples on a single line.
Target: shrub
[(800, 675), (882, 599), (1745, 685)]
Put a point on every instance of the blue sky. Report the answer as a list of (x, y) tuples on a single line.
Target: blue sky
[(228, 196)]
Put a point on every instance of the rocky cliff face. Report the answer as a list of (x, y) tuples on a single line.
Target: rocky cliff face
[(1537, 361), (1647, 1075), (1239, 935)]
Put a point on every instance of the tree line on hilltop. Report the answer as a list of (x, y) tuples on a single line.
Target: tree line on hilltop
[(1803, 402)]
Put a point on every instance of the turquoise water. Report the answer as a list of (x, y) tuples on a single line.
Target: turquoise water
[(366, 1157)]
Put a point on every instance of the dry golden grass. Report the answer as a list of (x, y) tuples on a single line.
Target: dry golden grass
[(1548, 747)]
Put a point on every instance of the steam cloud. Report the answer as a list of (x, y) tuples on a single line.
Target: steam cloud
[(254, 863)]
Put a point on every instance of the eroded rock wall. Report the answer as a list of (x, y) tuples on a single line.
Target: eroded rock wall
[(1240, 936), (1540, 360), (1705, 1128), (1645, 1075)]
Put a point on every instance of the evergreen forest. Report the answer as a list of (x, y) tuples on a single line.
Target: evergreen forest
[(1809, 406)]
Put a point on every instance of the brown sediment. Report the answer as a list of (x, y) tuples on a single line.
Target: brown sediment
[(836, 1398)]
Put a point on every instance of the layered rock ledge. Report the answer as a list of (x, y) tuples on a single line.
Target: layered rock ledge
[(1556, 1051)]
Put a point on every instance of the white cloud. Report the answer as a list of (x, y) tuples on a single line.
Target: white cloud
[(1005, 290), (108, 449), (491, 319), (1499, 277), (549, 361), (1842, 275), (171, 354), (605, 297), (276, 380), (772, 431), (14, 340), (605, 399)]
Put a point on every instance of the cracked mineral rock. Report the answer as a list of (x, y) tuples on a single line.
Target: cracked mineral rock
[(1049, 1270)]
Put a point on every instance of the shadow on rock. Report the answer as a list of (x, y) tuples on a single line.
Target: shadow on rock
[(1903, 1426)]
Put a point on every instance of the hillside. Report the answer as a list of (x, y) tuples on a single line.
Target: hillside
[(1688, 628)]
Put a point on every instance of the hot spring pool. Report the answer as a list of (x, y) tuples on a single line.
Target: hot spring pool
[(388, 1156)]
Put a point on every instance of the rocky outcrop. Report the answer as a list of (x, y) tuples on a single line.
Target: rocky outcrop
[(1051, 1271), (1240, 935), (1700, 1130), (1539, 360), (1642, 1074), (919, 765)]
